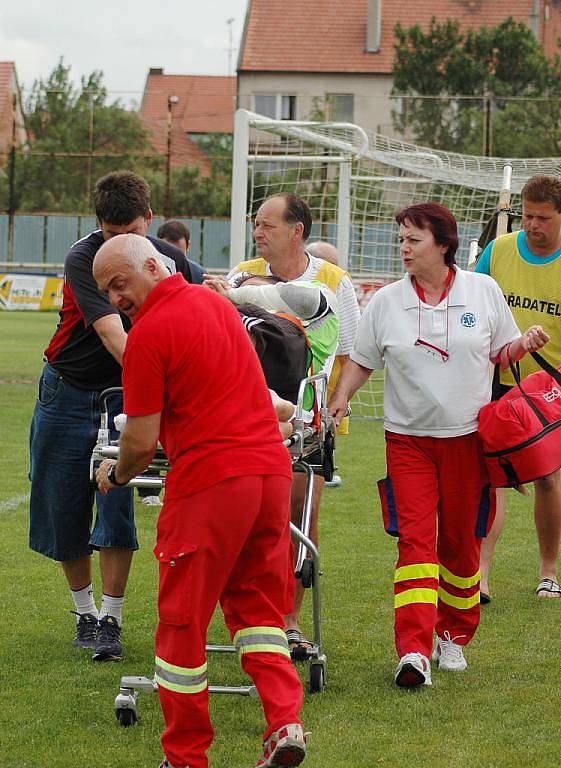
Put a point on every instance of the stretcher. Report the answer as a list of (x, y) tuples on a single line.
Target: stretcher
[(311, 446)]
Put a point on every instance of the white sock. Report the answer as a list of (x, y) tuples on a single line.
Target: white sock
[(112, 606), (84, 601)]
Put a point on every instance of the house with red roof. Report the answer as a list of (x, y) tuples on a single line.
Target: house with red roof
[(10, 109), (300, 53), (180, 108)]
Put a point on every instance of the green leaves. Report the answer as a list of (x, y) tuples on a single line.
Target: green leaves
[(501, 67), (77, 135)]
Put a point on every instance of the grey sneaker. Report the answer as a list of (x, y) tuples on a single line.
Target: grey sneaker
[(413, 670), (151, 501), (86, 630), (335, 482), (108, 646), (284, 747), (448, 654)]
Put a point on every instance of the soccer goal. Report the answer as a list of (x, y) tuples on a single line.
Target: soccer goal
[(355, 181)]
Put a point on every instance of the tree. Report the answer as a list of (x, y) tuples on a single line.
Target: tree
[(456, 85), (63, 119), (194, 193)]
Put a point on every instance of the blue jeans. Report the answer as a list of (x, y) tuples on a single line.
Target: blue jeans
[(63, 435)]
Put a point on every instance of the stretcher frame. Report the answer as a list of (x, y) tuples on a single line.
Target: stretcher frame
[(305, 442)]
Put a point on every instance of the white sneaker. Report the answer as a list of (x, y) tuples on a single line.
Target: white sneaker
[(413, 670), (448, 654), (336, 482), (151, 501)]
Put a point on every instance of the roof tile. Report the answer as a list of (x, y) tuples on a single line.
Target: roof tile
[(206, 103), (324, 36)]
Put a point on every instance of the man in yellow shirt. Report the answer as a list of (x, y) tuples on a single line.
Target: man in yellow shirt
[(282, 227), (527, 267)]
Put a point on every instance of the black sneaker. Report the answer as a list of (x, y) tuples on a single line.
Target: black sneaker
[(108, 646), (86, 631)]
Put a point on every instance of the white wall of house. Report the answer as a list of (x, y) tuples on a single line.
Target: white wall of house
[(371, 102)]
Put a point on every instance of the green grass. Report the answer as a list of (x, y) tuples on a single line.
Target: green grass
[(57, 707)]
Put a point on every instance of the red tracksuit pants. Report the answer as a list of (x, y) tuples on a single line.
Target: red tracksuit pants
[(230, 544), (436, 499)]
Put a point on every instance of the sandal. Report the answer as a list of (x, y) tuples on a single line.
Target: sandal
[(298, 645), (548, 585)]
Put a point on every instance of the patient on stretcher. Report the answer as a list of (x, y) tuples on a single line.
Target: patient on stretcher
[(309, 305)]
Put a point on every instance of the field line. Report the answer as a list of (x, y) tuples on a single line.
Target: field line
[(10, 504)]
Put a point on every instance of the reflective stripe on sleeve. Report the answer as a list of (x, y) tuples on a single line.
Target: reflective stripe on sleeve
[(181, 679), (261, 640)]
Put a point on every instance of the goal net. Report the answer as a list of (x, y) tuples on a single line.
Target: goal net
[(354, 182)]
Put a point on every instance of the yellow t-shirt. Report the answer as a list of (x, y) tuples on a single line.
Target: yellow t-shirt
[(533, 293)]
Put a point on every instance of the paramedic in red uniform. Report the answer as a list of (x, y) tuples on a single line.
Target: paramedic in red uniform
[(192, 380), (435, 331)]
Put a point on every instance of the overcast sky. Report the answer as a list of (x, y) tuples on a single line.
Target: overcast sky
[(120, 37)]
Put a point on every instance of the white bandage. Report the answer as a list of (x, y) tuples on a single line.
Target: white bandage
[(120, 420)]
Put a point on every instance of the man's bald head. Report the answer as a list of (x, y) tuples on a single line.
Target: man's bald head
[(128, 268), (323, 250)]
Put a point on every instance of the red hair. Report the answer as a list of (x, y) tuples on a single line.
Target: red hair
[(439, 220)]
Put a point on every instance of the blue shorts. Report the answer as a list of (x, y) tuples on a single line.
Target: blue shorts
[(63, 434)]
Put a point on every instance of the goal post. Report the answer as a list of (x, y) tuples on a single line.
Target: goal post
[(335, 147), (354, 182)]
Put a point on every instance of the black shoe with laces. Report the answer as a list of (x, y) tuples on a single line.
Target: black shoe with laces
[(86, 631), (108, 646)]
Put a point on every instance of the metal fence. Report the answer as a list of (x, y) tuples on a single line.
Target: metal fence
[(40, 242)]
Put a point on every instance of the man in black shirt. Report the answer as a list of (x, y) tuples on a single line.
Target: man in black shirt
[(83, 358)]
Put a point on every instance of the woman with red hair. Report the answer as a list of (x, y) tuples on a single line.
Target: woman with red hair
[(435, 331)]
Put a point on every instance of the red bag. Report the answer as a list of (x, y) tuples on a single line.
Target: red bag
[(521, 432)]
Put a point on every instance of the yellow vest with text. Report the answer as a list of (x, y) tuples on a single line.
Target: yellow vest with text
[(330, 275), (533, 293)]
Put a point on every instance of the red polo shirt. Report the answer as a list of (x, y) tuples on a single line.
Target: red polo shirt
[(188, 356)]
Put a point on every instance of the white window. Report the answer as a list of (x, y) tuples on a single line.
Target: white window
[(340, 107), (278, 106)]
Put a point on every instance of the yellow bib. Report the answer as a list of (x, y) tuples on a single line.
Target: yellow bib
[(533, 293)]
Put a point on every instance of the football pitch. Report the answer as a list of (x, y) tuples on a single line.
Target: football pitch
[(57, 707)]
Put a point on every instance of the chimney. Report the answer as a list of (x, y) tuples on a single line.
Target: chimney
[(156, 71), (374, 26), (534, 19)]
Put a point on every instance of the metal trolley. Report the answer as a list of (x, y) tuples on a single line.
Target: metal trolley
[(307, 443)]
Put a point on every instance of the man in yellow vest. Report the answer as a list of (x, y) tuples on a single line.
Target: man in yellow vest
[(527, 266), (282, 227)]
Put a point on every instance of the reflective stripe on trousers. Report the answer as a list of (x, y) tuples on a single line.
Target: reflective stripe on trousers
[(261, 640)]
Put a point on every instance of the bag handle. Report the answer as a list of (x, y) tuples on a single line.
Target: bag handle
[(546, 365), (548, 368)]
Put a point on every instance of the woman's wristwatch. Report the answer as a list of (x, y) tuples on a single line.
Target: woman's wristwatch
[(111, 476)]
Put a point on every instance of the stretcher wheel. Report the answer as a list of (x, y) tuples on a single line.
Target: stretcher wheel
[(317, 678), (126, 717), (328, 462), (307, 573)]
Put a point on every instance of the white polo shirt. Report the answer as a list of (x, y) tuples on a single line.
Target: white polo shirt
[(422, 394)]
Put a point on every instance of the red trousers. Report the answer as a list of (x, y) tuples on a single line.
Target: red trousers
[(437, 500), (228, 543)]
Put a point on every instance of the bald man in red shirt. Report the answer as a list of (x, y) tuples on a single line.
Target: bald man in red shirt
[(192, 380)]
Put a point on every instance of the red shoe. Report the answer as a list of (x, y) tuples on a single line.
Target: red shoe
[(284, 747)]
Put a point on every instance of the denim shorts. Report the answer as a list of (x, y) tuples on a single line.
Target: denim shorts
[(63, 434)]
